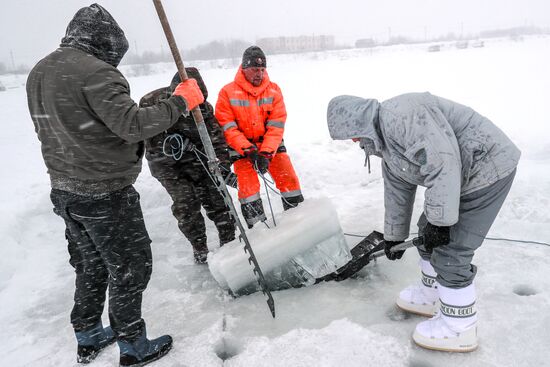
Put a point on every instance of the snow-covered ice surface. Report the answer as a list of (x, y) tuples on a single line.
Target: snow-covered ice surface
[(352, 323)]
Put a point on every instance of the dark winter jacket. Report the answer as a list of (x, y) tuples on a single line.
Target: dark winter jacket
[(91, 131), (428, 141), (187, 128)]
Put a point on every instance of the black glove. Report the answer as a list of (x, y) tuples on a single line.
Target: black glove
[(251, 153), (264, 159), (393, 255), (260, 160), (435, 236)]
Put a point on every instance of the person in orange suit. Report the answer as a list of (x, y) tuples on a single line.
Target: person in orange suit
[(252, 113)]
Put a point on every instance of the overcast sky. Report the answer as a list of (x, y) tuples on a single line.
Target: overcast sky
[(32, 28)]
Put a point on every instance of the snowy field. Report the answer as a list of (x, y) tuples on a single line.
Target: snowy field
[(352, 323)]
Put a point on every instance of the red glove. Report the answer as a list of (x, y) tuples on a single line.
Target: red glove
[(190, 91)]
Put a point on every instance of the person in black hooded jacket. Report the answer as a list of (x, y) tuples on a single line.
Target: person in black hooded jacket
[(176, 158), (92, 133)]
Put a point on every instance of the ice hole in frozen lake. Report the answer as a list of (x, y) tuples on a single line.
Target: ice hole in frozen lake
[(397, 314), (525, 290), (419, 363), (227, 348)]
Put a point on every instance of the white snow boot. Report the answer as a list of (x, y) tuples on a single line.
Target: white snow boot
[(422, 298), (454, 328)]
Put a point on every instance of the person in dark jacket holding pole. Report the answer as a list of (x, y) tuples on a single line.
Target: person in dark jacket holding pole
[(467, 165), (92, 135), (176, 158)]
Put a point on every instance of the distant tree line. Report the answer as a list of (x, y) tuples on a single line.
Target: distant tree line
[(514, 32), (147, 57), (210, 51), (218, 50), (21, 69)]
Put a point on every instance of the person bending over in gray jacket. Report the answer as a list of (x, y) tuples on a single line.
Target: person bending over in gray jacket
[(92, 134), (467, 166)]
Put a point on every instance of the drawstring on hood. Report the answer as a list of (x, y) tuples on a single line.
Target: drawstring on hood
[(351, 117), (367, 162), (368, 146), (94, 31)]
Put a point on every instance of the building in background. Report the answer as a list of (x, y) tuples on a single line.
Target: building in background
[(365, 43), (296, 44)]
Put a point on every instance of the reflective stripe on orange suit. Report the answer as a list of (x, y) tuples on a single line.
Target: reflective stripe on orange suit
[(249, 116)]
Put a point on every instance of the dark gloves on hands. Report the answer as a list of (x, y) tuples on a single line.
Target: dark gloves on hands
[(260, 160), (252, 154), (263, 161), (435, 236), (393, 255)]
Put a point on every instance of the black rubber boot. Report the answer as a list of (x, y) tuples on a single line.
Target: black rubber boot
[(93, 341), (292, 201), (143, 351), (253, 212), (200, 251), (226, 235)]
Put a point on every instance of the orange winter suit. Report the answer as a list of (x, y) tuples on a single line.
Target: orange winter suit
[(251, 116)]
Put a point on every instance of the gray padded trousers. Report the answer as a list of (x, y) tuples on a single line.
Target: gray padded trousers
[(478, 210)]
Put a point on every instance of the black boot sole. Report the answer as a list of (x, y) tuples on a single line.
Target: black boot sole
[(86, 355), (161, 353)]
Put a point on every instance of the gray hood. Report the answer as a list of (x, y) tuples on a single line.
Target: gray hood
[(354, 117)]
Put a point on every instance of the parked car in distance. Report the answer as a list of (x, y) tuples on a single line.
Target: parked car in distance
[(461, 44), (478, 44)]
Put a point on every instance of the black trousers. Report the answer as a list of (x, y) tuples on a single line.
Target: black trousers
[(109, 247), (191, 188)]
